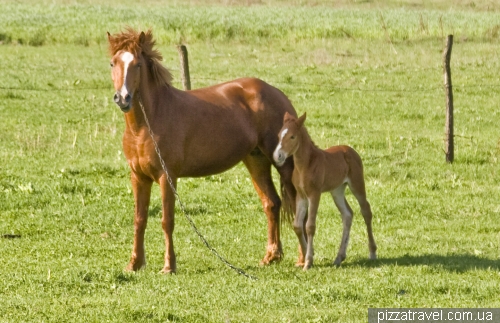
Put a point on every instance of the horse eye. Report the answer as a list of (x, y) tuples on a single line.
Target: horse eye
[(292, 137), (111, 64)]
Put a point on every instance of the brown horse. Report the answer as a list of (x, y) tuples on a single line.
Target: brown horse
[(199, 133), (317, 171)]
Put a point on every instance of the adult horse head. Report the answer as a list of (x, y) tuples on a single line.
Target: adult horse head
[(130, 51), (199, 133)]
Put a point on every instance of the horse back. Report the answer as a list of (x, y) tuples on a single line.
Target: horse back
[(258, 103), (269, 105)]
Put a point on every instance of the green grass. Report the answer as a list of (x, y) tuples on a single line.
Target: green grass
[(64, 183)]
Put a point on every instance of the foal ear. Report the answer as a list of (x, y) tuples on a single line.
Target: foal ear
[(109, 36), (301, 119)]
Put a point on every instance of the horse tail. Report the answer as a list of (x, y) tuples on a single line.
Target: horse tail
[(288, 194)]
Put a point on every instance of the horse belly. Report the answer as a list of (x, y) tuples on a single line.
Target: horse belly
[(215, 152), (336, 170)]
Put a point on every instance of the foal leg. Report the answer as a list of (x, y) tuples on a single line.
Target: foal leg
[(260, 170), (311, 228), (357, 186), (167, 223), (301, 207), (346, 213), (142, 192)]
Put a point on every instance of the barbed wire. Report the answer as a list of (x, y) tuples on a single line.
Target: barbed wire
[(416, 89)]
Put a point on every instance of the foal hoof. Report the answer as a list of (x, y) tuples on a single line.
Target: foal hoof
[(307, 266), (338, 260)]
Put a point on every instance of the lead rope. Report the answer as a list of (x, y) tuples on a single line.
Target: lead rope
[(238, 270)]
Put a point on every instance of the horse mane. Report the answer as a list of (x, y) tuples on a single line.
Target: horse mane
[(141, 43)]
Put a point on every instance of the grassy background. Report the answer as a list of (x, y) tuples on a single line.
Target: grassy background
[(39, 23), (368, 74)]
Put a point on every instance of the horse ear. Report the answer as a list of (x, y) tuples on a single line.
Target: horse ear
[(109, 36), (142, 37), (300, 121)]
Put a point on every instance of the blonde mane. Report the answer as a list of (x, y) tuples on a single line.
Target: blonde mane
[(141, 43)]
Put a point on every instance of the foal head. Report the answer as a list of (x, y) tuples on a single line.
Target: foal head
[(289, 138), (131, 52)]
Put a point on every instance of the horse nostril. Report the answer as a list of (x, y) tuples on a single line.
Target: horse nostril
[(128, 98), (116, 98)]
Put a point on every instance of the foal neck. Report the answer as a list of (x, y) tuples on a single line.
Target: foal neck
[(302, 157)]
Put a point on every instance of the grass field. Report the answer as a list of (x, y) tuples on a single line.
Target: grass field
[(369, 74)]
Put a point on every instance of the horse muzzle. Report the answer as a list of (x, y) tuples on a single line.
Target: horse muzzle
[(124, 102)]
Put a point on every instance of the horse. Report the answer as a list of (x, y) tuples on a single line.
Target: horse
[(317, 171), (199, 133)]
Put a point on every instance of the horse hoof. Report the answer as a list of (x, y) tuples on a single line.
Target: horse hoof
[(307, 266), (270, 258), (267, 261), (299, 264), (372, 256), (134, 266), (167, 271)]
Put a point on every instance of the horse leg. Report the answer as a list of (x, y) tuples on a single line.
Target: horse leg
[(142, 192), (346, 213), (167, 222), (260, 170), (311, 228), (298, 226), (358, 190)]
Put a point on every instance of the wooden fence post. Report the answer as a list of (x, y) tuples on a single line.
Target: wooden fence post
[(183, 56), (449, 146)]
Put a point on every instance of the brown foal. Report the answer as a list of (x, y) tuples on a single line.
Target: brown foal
[(199, 133), (317, 171)]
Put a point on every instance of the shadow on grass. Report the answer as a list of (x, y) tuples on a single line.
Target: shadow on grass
[(453, 262)]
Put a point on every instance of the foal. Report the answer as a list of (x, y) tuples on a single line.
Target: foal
[(317, 171)]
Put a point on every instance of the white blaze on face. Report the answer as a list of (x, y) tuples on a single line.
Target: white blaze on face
[(283, 133), (278, 148), (126, 58)]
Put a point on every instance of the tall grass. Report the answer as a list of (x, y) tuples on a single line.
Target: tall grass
[(38, 24)]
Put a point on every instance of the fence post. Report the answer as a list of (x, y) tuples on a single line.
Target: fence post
[(183, 56), (449, 146)]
